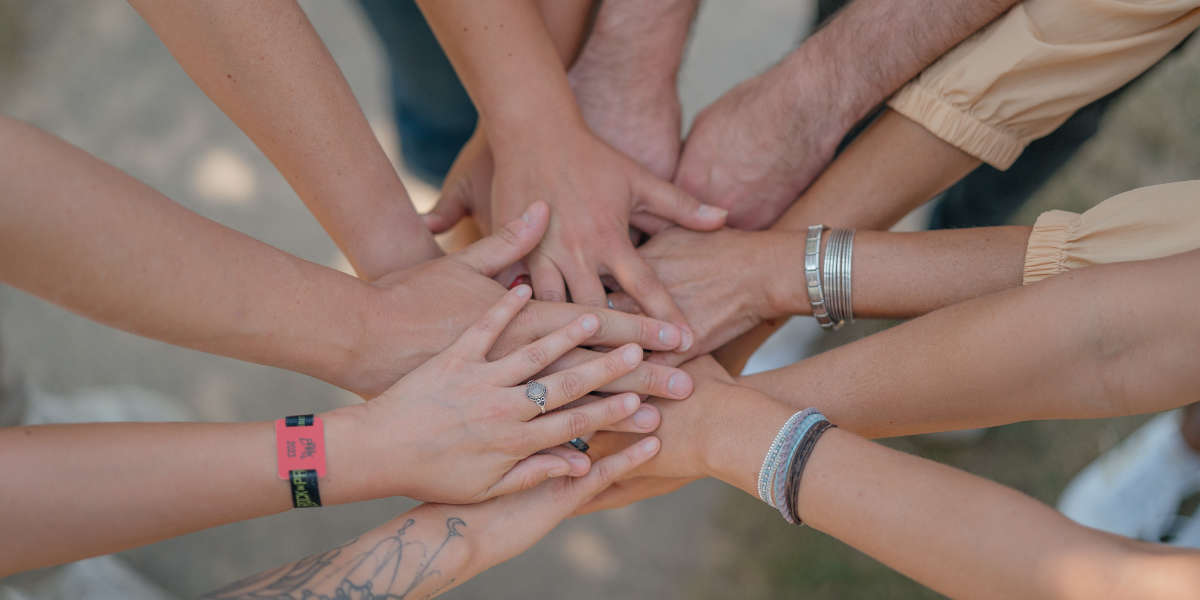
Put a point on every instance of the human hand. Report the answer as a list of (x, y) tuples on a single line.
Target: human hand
[(410, 315), (686, 431), (632, 110), (724, 281), (460, 429), (594, 190), (756, 148), (467, 189)]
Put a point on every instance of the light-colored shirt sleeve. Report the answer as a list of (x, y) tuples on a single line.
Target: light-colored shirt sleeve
[(1019, 78), (1149, 222)]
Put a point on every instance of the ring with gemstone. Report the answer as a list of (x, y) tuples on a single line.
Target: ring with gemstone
[(579, 444), (536, 392)]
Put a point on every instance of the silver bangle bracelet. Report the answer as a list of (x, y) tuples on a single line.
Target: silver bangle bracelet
[(839, 255), (812, 275)]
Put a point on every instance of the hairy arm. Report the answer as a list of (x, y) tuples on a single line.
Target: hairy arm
[(764, 142), (265, 67)]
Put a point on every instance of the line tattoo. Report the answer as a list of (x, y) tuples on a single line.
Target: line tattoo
[(375, 574)]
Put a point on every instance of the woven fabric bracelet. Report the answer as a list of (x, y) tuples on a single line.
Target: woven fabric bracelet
[(796, 471), (766, 472)]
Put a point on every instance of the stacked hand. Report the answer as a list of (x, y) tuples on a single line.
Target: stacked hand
[(724, 281), (418, 312), (461, 429), (755, 149)]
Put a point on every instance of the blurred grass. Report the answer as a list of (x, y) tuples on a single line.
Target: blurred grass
[(1151, 135)]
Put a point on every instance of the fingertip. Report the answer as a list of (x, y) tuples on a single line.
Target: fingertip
[(687, 338), (712, 213), (578, 464), (648, 447), (680, 385), (670, 337), (647, 417), (630, 402), (589, 322), (535, 212), (631, 354), (523, 291)]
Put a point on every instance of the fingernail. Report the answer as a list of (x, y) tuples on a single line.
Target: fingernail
[(559, 471), (632, 355), (686, 343), (645, 418), (589, 323), (630, 402), (679, 384), (669, 336), (523, 291), (711, 212), (579, 461), (527, 216), (648, 446)]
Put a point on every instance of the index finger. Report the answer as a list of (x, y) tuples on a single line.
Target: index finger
[(641, 282), (616, 328)]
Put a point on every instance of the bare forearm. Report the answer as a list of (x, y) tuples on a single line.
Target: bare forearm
[(894, 166), (904, 275), (956, 533), (494, 45), (74, 491), (88, 237), (1070, 347), (872, 47), (968, 537), (639, 45), (265, 67)]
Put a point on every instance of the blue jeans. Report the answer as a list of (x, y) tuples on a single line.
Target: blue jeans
[(434, 115)]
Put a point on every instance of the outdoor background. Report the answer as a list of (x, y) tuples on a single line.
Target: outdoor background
[(94, 74)]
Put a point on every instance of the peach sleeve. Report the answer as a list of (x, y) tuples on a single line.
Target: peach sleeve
[(1145, 223), (1019, 78)]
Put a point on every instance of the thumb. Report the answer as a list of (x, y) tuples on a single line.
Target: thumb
[(662, 199), (508, 244), (451, 207)]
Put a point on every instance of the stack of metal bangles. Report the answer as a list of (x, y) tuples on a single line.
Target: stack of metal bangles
[(829, 287), (783, 466)]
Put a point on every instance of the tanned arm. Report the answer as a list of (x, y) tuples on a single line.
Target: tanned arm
[(263, 64)]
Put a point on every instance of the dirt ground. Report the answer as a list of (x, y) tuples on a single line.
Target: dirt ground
[(94, 74)]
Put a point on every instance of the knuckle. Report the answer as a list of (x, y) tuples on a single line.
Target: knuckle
[(571, 385), (578, 424), (529, 479), (649, 380), (614, 365), (535, 355), (509, 234)]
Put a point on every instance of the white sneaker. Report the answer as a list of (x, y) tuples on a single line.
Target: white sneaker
[(1136, 488)]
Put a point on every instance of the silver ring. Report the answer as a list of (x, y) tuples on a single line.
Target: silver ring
[(611, 305), (536, 392)]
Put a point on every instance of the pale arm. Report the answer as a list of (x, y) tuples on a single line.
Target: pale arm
[(435, 547), (959, 534), (265, 67), (88, 237), (75, 491), (1074, 346)]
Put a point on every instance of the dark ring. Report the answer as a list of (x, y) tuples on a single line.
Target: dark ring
[(579, 444)]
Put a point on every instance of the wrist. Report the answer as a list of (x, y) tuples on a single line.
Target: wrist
[(374, 359), (352, 473), (736, 459), (786, 291), (532, 125)]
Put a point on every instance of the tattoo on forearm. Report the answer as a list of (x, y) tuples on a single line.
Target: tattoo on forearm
[(379, 573)]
